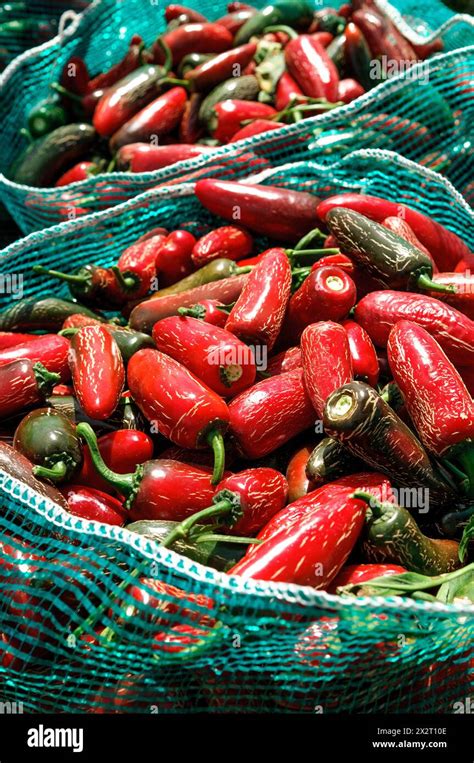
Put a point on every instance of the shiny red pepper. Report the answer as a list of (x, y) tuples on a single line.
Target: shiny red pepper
[(435, 395), (138, 262), (353, 574), (445, 246), (340, 260), (379, 311), (375, 28), (74, 76), (190, 128), (208, 310), (88, 503), (298, 483), (80, 171), (173, 257), (463, 297), (309, 64), (270, 413), (258, 314), (97, 371), (327, 363), (287, 91), (174, 11), (217, 357), (365, 364), (96, 285), (287, 360), (399, 226), (121, 451), (23, 383), (191, 419), (228, 241), (132, 60), (229, 115), (49, 349), (143, 157), (193, 38), (326, 294), (156, 119), (279, 213), (11, 338), (348, 90), (257, 127), (221, 67), (77, 321), (234, 20)]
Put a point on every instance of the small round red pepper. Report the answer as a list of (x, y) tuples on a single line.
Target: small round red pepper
[(173, 258), (228, 241)]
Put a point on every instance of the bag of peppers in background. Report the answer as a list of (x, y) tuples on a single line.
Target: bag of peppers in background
[(205, 82), (292, 404)]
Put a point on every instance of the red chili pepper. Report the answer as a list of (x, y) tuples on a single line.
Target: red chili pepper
[(326, 294), (132, 60), (234, 20), (463, 297), (286, 91), (436, 398), (208, 310), (10, 339), (228, 117), (234, 7), (257, 127), (193, 38), (196, 417), (221, 67), (74, 76), (87, 503), (354, 574), (379, 311), (138, 262), (348, 90), (444, 245), (121, 451), (258, 314), (287, 360), (77, 321), (425, 50), (298, 483), (270, 413), (399, 226), (49, 349), (175, 11), (312, 551), (90, 101), (365, 364), (279, 213), (158, 118), (374, 27), (214, 355), (95, 285), (143, 157), (24, 383), (173, 257), (339, 260), (326, 361), (309, 64), (63, 390), (229, 241), (80, 171), (190, 127), (97, 371)]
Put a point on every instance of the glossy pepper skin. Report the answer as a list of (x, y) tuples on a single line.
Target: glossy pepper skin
[(220, 67), (462, 298), (132, 60), (174, 11), (143, 157), (435, 395), (22, 384), (330, 460), (445, 246), (96, 285), (193, 38), (88, 503), (230, 115), (79, 172), (197, 416), (399, 226), (208, 310), (298, 483), (256, 127), (173, 260), (228, 241), (348, 90), (379, 311), (214, 355), (309, 64), (154, 121), (359, 56), (286, 360), (11, 338), (121, 451), (365, 364), (16, 465), (359, 418), (138, 262), (353, 574), (270, 413), (48, 440), (326, 359), (328, 293), (47, 314), (97, 371), (287, 90), (215, 270), (276, 212), (258, 313), (293, 13), (49, 349)]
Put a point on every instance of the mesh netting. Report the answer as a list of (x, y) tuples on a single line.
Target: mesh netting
[(425, 114), (192, 638)]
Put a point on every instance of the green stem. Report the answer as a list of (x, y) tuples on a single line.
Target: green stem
[(182, 530), (241, 271), (168, 55), (423, 281), (227, 539), (27, 135), (68, 332), (124, 483), (316, 233), (177, 82), (45, 379), (56, 473), (127, 283), (66, 93), (433, 582), (319, 253), (292, 33), (216, 441), (62, 276), (377, 508)]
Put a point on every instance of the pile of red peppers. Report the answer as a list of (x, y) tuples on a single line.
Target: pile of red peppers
[(205, 83)]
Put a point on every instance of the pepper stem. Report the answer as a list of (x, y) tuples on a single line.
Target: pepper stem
[(239, 539), (56, 473), (216, 442), (66, 93), (377, 508), (196, 311), (124, 483), (292, 33), (45, 379), (177, 82), (316, 233), (241, 271), (423, 281), (167, 52), (125, 282), (62, 276), (225, 502)]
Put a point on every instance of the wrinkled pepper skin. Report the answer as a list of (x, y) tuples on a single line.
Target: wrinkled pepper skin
[(97, 371), (379, 311), (258, 314), (327, 363), (217, 357), (270, 413)]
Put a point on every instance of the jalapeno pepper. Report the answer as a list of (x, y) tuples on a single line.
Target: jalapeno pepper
[(22, 384), (75, 76), (291, 12), (48, 439), (228, 117), (49, 349), (94, 505), (215, 270), (353, 574), (229, 241), (143, 157), (97, 370), (462, 298), (348, 90), (256, 127), (17, 466), (221, 67), (97, 285), (47, 314), (11, 338), (134, 57), (234, 20), (45, 117), (196, 417), (209, 310), (298, 482), (365, 364), (78, 172), (309, 64), (173, 261), (192, 38), (326, 359), (156, 119), (138, 263), (286, 360), (121, 450), (330, 460)]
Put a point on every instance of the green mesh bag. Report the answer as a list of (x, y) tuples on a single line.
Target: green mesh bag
[(191, 638), (425, 114)]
